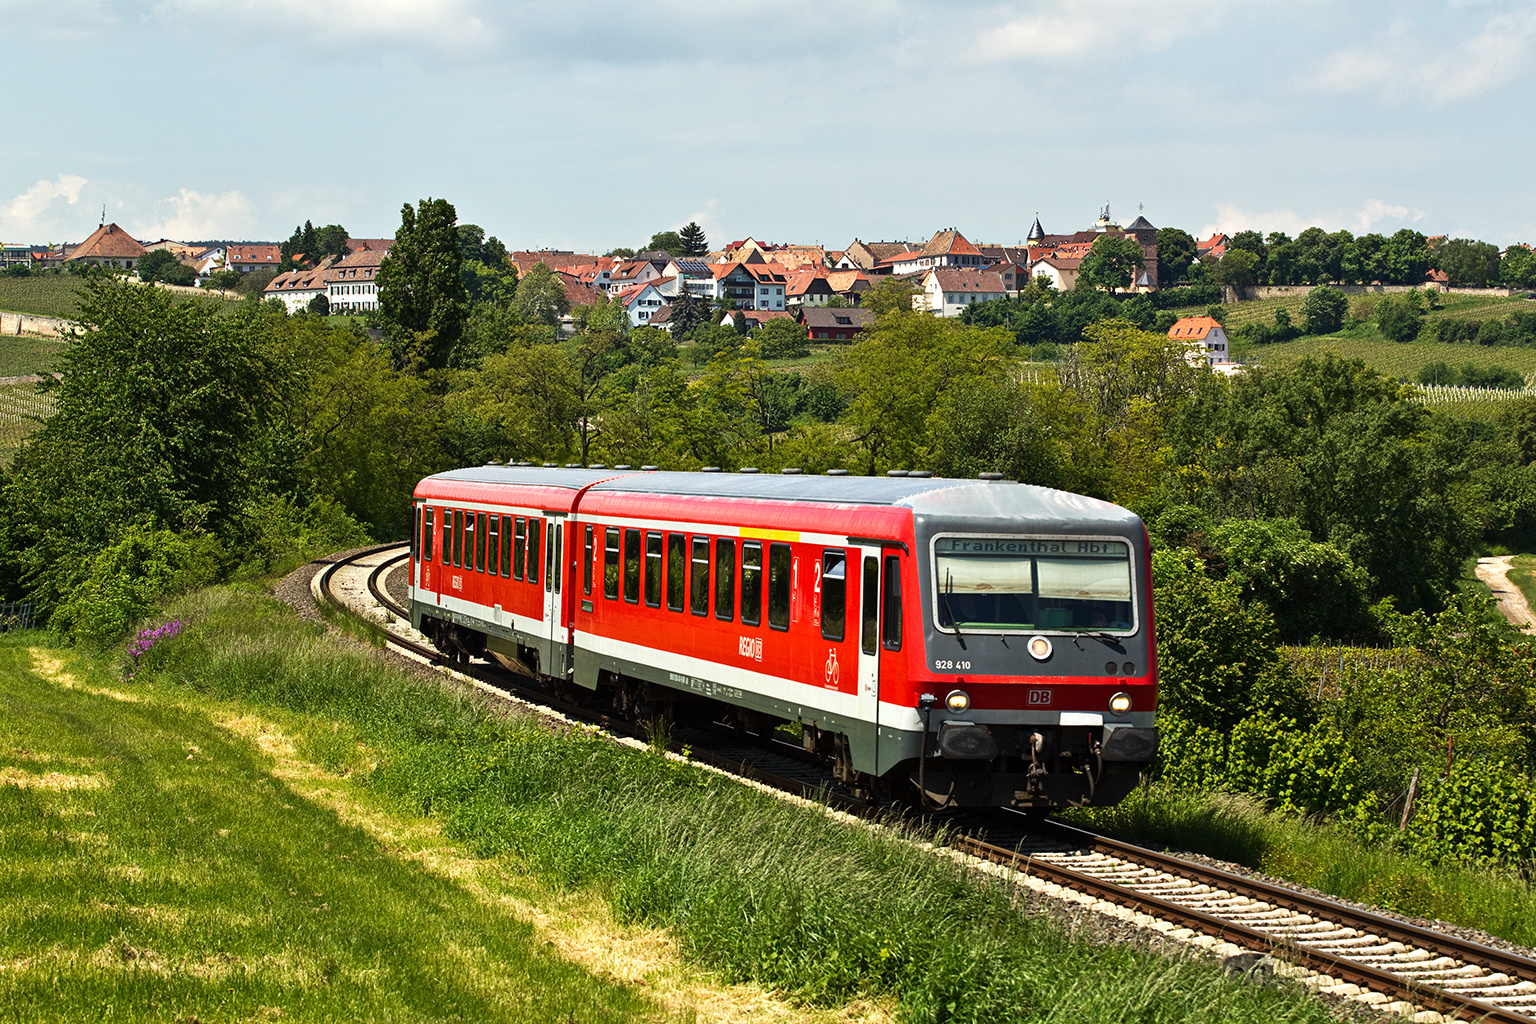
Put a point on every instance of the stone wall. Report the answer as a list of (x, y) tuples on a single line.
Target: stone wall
[(26, 323)]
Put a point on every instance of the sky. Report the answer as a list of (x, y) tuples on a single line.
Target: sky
[(588, 125)]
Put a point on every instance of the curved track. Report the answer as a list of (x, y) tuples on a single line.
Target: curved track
[(1336, 949)]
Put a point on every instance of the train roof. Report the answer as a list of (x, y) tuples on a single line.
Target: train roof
[(940, 496)]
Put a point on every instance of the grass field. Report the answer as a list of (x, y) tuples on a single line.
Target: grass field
[(1391, 358), (26, 353), (1522, 573), (239, 829), (57, 295)]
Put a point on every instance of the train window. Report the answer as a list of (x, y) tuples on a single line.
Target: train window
[(415, 534), (779, 573), (493, 546), (469, 540), (557, 564), (519, 548), (698, 592), (725, 579), (834, 593), (890, 610), (677, 565), (447, 537), (458, 537), (653, 569), (533, 549), (632, 566), (611, 563), (480, 541), (506, 545), (751, 582), (586, 571), (426, 536), (551, 557), (1006, 584), (869, 626)]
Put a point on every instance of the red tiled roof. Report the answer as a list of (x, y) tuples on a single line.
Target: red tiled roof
[(1193, 327), (252, 254), (958, 279), (949, 242), (108, 242)]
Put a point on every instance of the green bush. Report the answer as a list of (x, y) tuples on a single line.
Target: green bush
[(1323, 310), (279, 534), (1479, 812), (1294, 768), (1312, 589), (123, 583)]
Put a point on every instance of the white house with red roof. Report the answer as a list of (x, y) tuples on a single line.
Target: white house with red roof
[(1215, 246), (1204, 339), (642, 301), (353, 282), (630, 273), (947, 248), (296, 289), (946, 291), (250, 258)]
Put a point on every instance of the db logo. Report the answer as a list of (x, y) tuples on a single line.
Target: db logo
[(458, 583), (831, 670), (1039, 698)]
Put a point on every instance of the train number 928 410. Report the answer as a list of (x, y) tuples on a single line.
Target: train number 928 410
[(944, 665)]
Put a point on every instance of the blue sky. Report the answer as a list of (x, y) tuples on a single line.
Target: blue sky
[(590, 125)]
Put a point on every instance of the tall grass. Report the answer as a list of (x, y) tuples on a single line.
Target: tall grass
[(753, 887)]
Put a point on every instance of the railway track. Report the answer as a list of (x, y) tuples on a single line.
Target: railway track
[(1340, 950)]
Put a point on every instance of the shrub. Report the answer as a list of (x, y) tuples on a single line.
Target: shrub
[(1399, 317), (1323, 310), (279, 534), (123, 583), (1312, 589)]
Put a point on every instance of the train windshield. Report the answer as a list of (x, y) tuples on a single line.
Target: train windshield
[(993, 584)]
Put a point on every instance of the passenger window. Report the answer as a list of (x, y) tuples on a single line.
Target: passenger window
[(551, 560), (725, 579), (778, 585), (698, 591), (751, 582), (890, 610), (586, 571), (611, 563), (416, 533), (426, 538), (458, 537), (870, 624), (834, 593), (632, 566), (557, 564), (533, 549), (447, 537), (519, 548), (506, 545), (493, 546), (480, 542), (653, 569), (469, 540), (677, 565)]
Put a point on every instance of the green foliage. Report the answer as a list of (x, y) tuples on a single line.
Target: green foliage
[(1518, 268), (782, 338), (423, 303), (122, 583), (890, 295), (668, 242), (162, 265), (279, 534), (1239, 268), (694, 243), (1112, 263), (1294, 768), (1175, 252), (1469, 264), (1399, 317), (1311, 589), (541, 297), (1471, 375), (320, 305), (1323, 310)]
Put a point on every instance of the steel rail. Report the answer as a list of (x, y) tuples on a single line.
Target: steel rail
[(1363, 975)]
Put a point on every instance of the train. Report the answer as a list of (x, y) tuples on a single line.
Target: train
[(957, 643)]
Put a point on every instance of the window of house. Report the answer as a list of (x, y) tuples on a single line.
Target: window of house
[(751, 582)]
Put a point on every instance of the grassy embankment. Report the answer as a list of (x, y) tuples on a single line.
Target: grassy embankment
[(58, 295), (1522, 573), (267, 820)]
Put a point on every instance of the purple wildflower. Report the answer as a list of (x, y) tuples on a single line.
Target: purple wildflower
[(145, 640)]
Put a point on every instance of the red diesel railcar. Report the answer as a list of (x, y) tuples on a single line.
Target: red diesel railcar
[(986, 641)]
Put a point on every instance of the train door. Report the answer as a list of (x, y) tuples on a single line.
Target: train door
[(429, 520), (552, 639), (869, 635)]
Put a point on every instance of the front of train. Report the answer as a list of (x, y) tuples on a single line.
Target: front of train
[(1038, 686)]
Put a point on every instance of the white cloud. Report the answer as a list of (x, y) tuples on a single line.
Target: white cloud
[(1076, 28), (27, 214), (1404, 64), (1230, 219), (443, 25), (198, 215)]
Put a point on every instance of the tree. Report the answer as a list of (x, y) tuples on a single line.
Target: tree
[(688, 312), (1323, 310), (693, 241), (666, 241), (1239, 268), (1399, 317), (1251, 242), (320, 305), (619, 252), (1470, 264), (1175, 252), (161, 265), (224, 280), (890, 295), (422, 299), (1112, 262), (1519, 267), (541, 296), (782, 338)]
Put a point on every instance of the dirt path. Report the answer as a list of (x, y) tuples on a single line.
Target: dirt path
[(1495, 573)]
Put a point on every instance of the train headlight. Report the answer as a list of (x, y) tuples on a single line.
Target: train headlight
[(957, 701), (1120, 703), (1040, 648)]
